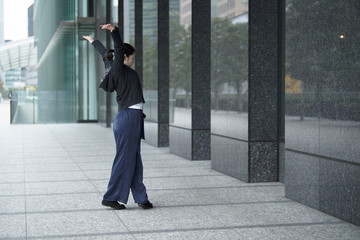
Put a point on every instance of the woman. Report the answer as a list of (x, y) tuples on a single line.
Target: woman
[(127, 169)]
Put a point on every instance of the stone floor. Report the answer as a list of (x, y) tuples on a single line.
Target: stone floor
[(52, 178)]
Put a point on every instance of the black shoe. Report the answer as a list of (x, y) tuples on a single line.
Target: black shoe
[(146, 205), (113, 204)]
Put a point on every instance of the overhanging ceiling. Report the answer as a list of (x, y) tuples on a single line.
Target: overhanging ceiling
[(18, 54)]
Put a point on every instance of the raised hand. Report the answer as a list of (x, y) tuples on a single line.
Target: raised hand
[(107, 27), (90, 39)]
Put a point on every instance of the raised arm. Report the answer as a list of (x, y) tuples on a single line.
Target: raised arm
[(118, 43), (100, 48)]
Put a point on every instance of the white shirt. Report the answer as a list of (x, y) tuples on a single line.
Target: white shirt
[(137, 106)]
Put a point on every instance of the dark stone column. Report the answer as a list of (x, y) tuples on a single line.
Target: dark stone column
[(201, 81), (121, 22), (139, 38), (163, 73), (108, 46), (121, 17), (265, 79), (98, 63)]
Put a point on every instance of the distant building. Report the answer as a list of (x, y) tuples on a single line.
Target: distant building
[(2, 22), (231, 8), (31, 21), (185, 13), (13, 79)]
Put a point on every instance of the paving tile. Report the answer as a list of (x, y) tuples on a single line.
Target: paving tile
[(217, 196), (64, 202), (174, 163), (267, 213), (8, 189), (318, 232), (73, 223), (203, 234), (54, 176), (101, 185), (45, 154), (12, 226), (51, 167), (95, 165), (179, 171), (12, 160), (12, 204), (10, 155), (101, 236), (87, 159), (94, 147), (11, 177), (12, 168), (159, 156), (89, 152), (166, 219), (191, 182), (43, 148), (98, 174), (48, 160), (59, 187)]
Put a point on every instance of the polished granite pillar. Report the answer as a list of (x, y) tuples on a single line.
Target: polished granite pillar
[(163, 73), (265, 79), (121, 22), (322, 165), (139, 38), (108, 44), (201, 79), (121, 17)]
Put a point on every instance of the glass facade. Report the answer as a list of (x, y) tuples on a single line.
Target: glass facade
[(68, 66), (322, 78), (229, 69), (150, 59), (180, 64), (56, 35), (129, 22)]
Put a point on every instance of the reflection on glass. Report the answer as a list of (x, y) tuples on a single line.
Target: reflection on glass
[(229, 69), (322, 77), (87, 82), (180, 63), (102, 94), (42, 107), (129, 22), (150, 56), (86, 8)]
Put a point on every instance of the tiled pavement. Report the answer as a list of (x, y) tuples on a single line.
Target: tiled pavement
[(52, 178)]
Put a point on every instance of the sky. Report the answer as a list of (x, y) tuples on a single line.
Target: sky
[(15, 19)]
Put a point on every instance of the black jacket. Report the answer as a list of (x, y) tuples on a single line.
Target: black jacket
[(120, 78)]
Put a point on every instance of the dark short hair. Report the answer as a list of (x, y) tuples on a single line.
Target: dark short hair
[(109, 55), (128, 49)]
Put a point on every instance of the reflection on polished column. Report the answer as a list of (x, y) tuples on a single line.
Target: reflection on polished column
[(180, 79), (323, 106), (229, 88), (163, 73)]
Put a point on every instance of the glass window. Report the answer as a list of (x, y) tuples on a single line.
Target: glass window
[(180, 63), (150, 62), (229, 70)]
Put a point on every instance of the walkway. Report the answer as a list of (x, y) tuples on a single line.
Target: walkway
[(52, 178)]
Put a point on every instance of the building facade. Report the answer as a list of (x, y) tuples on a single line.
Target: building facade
[(226, 81)]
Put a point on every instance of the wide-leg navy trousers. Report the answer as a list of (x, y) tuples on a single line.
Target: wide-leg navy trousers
[(127, 169)]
